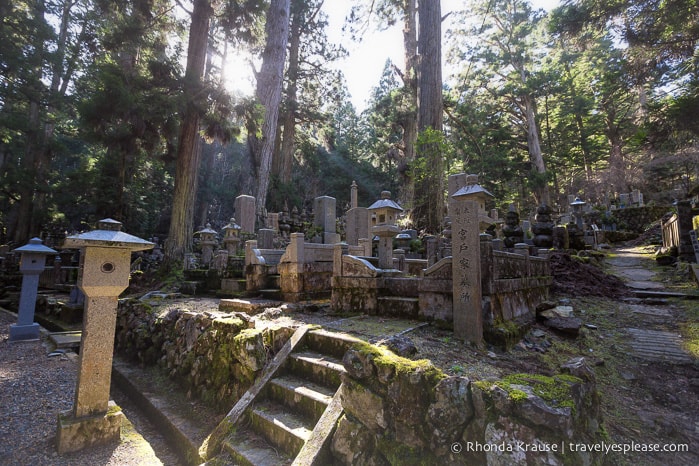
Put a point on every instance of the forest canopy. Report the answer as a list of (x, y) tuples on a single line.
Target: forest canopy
[(123, 109)]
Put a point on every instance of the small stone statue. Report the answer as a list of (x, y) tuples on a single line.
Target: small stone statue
[(543, 227), (512, 230)]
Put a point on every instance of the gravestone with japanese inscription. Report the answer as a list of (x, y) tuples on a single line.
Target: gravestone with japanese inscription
[(466, 268)]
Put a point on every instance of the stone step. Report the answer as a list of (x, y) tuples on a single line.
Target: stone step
[(285, 429), (273, 281), (398, 306), (300, 395), (233, 285), (64, 340), (663, 294), (249, 306), (331, 343), (248, 448), (271, 294), (319, 368)]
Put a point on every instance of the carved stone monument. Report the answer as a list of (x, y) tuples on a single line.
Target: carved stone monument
[(245, 212)]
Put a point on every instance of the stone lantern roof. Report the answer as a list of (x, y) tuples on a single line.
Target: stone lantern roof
[(386, 203), (207, 231), (35, 246), (108, 235), (232, 225)]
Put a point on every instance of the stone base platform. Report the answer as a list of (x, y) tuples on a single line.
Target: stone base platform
[(75, 434)]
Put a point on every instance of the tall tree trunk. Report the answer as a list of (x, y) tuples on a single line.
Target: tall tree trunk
[(269, 94), (407, 195), (541, 189), (188, 149), (429, 192), (284, 162)]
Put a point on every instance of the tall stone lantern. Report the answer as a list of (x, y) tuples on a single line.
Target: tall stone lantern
[(31, 265), (104, 274), (386, 213), (207, 240), (231, 237), (577, 206)]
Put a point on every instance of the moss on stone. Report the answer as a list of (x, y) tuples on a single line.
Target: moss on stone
[(554, 390), (383, 357)]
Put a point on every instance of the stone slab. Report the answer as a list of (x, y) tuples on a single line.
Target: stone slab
[(248, 306), (645, 285), (66, 339), (649, 310), (659, 346)]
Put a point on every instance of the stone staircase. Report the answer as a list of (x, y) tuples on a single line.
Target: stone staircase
[(273, 288), (291, 410)]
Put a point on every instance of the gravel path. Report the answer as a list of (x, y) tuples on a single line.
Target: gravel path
[(35, 387)]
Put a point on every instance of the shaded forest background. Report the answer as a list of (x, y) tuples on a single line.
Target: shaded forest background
[(595, 98)]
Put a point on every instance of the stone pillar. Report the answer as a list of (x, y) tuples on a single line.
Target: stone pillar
[(487, 264), (431, 250), (324, 217), (523, 250), (104, 274), (353, 196), (291, 268), (399, 254), (466, 270), (245, 212), (265, 238), (337, 260), (357, 225), (31, 265), (366, 244), (386, 233)]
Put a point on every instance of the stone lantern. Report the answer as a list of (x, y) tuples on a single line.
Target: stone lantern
[(104, 274), (578, 206), (207, 240), (386, 213), (477, 193), (231, 237), (31, 265)]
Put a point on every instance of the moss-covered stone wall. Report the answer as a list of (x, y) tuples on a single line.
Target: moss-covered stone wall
[(404, 412), (214, 356)]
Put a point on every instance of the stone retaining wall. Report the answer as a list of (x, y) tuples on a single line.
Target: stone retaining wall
[(214, 356), (403, 412)]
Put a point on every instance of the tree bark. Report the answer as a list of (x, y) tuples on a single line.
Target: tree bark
[(430, 206), (285, 160), (535, 154), (269, 94), (179, 239), (407, 195)]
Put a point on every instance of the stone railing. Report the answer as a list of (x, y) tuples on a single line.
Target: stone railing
[(512, 284), (671, 232)]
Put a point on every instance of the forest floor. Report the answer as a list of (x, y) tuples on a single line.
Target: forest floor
[(644, 400)]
